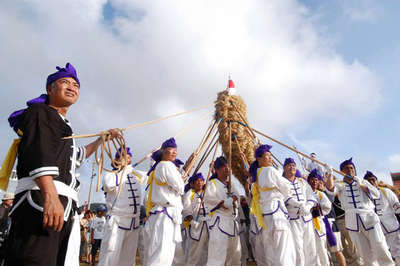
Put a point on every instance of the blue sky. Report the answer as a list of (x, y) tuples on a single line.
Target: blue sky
[(321, 75)]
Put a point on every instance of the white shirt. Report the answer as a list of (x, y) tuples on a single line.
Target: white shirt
[(326, 206), (301, 192), (356, 203), (277, 190), (97, 225), (386, 206), (170, 193), (128, 203)]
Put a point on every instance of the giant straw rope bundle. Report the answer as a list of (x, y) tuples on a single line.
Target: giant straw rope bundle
[(225, 110)]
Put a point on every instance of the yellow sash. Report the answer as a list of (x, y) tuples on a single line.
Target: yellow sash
[(255, 202), (8, 164), (150, 204), (138, 177), (383, 191), (317, 224)]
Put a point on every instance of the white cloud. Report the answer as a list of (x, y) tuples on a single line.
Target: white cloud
[(177, 56), (362, 10)]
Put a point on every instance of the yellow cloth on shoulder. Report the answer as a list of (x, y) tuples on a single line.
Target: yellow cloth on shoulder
[(8, 164), (255, 202), (150, 204)]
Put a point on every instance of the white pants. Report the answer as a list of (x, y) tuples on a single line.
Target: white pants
[(223, 249), (257, 246), (244, 235), (198, 248), (118, 246), (372, 246), (141, 245), (278, 246), (322, 251), (74, 241), (393, 241), (159, 239), (304, 242)]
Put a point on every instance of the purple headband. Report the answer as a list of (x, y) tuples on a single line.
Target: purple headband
[(315, 174), (128, 152), (261, 150), (178, 163), (67, 72), (347, 162), (13, 119), (369, 174), (169, 143), (157, 155), (298, 173), (219, 162), (192, 179), (289, 161)]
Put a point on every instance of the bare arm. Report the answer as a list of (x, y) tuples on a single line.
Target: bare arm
[(92, 147), (53, 210)]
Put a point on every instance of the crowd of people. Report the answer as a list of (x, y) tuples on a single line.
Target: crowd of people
[(278, 217)]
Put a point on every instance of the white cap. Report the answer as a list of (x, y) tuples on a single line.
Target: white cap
[(8, 196)]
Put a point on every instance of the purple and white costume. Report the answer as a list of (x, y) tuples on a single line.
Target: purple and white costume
[(121, 235)]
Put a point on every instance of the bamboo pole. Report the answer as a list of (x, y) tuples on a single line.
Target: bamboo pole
[(245, 162), (206, 152), (230, 158), (296, 151), (208, 179), (199, 149)]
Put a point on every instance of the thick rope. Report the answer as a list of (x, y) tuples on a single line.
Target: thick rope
[(180, 133), (105, 148)]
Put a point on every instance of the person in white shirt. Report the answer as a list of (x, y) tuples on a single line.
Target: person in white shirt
[(311, 165), (319, 220), (224, 243), (97, 231), (269, 192), (362, 222), (121, 235), (196, 220), (387, 206), (163, 207), (300, 217)]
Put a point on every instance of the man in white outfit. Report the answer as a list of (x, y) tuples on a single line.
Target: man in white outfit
[(300, 218), (269, 192), (121, 235), (163, 207), (361, 221), (319, 220), (387, 206), (196, 220), (224, 242)]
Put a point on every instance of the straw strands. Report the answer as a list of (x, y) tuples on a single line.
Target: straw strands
[(225, 110)]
